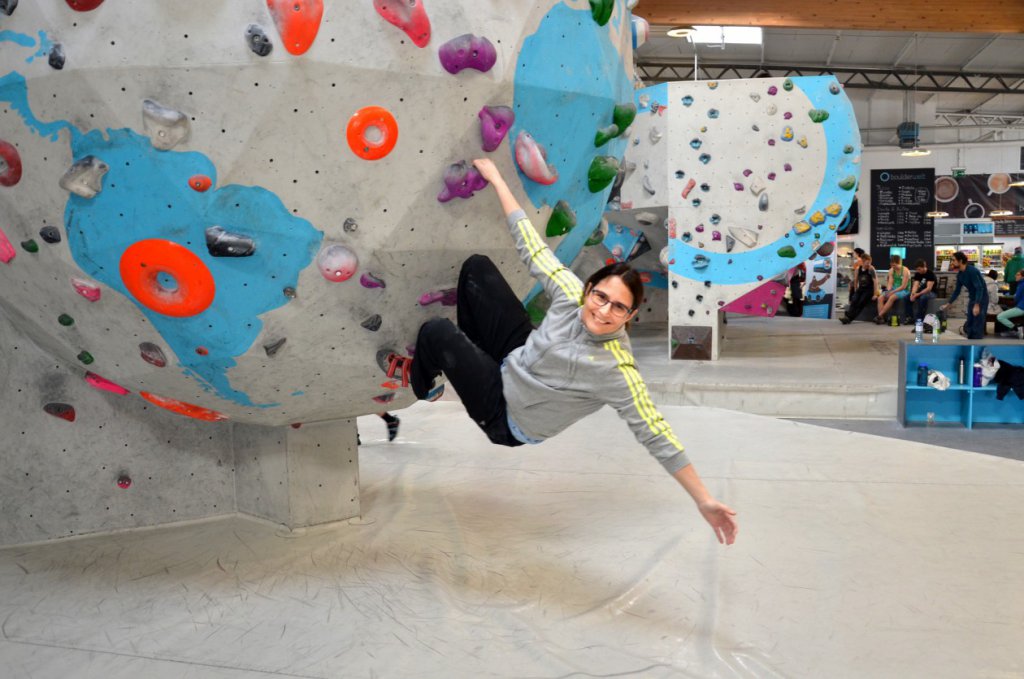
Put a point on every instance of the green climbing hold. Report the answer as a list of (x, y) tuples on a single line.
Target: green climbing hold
[(848, 182), (562, 220), (602, 172), (85, 357), (787, 85), (30, 246), (65, 320), (597, 237), (848, 149), (602, 10), (787, 251), (605, 135), (818, 115), (623, 116)]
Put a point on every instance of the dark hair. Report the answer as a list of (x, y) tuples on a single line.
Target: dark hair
[(960, 257), (859, 251), (992, 274), (629, 276), (919, 263)]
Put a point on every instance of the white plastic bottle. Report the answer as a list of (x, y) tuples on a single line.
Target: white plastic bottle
[(918, 331)]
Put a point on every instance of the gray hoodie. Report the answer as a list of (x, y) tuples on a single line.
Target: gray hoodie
[(564, 372)]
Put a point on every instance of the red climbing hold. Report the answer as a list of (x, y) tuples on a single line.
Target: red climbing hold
[(182, 408), (124, 482), (372, 132), (10, 164), (84, 5), (7, 251), (142, 266), (200, 182), (61, 410), (297, 21), (409, 15), (103, 384)]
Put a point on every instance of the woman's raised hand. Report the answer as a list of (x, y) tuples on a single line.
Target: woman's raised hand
[(487, 169)]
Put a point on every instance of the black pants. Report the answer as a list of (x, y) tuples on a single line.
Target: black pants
[(860, 299), (491, 323)]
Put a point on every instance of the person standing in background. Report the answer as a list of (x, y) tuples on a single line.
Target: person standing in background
[(969, 277), (1013, 265)]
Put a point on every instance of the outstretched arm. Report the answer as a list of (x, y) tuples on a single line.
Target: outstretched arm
[(720, 516), (489, 171)]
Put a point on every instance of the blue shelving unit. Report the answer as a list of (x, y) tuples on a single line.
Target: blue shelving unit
[(961, 404)]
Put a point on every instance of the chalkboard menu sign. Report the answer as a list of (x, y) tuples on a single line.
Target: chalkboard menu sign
[(1009, 228), (900, 203)]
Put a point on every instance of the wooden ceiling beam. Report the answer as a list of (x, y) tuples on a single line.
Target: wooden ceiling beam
[(922, 16)]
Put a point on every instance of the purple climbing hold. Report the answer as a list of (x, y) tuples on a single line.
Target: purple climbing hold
[(787, 167), (787, 115), (716, 235), (773, 90), (152, 354), (368, 280), (462, 180), (737, 186), (747, 173), (446, 297), (467, 51), (771, 176), (495, 122)]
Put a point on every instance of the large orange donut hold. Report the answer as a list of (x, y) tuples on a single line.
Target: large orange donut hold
[(372, 132), (167, 278)]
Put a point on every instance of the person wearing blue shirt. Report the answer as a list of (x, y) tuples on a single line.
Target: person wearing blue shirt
[(1005, 319), (969, 277)]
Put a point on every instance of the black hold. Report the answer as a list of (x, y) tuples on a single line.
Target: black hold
[(700, 298), (50, 234), (273, 347), (675, 284), (223, 243), (350, 225), (289, 292), (57, 56), (385, 398), (707, 284), (8, 6), (372, 323), (258, 40), (691, 312)]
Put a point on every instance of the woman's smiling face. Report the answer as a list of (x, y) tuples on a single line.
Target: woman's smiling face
[(608, 306)]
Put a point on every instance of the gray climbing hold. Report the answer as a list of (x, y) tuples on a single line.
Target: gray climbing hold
[(50, 234), (85, 177), (746, 236), (166, 127), (273, 347), (372, 323), (8, 6), (647, 185), (350, 225), (289, 293), (800, 210), (221, 243), (259, 41), (730, 243), (56, 59), (655, 135), (152, 354), (762, 203)]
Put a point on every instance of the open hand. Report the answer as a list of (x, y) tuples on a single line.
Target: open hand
[(721, 519)]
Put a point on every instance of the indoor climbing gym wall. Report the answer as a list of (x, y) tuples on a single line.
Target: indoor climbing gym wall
[(756, 175), (222, 226)]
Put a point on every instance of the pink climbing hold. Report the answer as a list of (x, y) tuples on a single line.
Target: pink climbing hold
[(495, 122), (757, 302), (337, 263), (532, 160), (7, 251), (467, 51), (408, 15), (446, 297), (689, 187), (368, 280), (460, 179), (86, 289), (103, 384)]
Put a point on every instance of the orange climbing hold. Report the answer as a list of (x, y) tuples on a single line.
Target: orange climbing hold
[(372, 133), (182, 408), (200, 182), (409, 15), (297, 21), (167, 278), (84, 5)]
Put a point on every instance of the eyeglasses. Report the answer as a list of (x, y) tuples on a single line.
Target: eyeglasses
[(617, 309)]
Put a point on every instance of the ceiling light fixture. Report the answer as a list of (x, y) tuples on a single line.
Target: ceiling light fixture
[(936, 214), (1020, 183), (916, 152), (1001, 213), (680, 32), (725, 35)]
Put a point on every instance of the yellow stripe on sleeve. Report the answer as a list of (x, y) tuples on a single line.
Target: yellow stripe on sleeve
[(546, 261), (641, 397)]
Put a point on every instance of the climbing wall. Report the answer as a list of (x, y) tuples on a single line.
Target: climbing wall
[(236, 212), (756, 176)]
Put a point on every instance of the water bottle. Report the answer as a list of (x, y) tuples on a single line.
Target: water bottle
[(961, 377), (935, 334), (918, 331)]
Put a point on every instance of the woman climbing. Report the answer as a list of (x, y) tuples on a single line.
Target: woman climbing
[(522, 385)]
